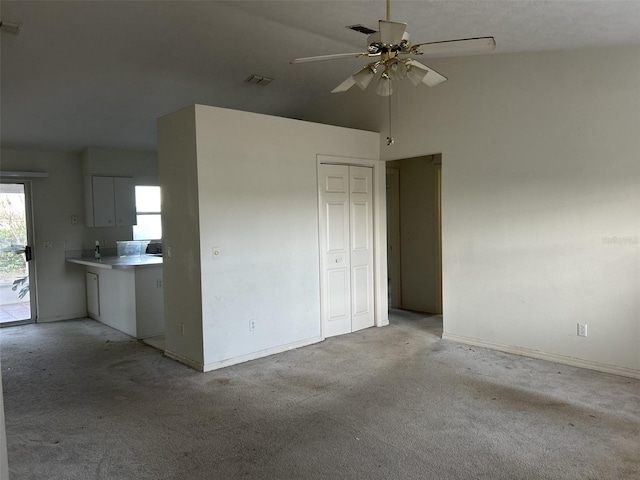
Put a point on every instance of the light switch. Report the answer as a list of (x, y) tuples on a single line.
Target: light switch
[(216, 253)]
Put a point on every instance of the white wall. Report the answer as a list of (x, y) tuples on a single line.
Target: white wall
[(181, 236), (257, 198), (540, 199), (140, 164)]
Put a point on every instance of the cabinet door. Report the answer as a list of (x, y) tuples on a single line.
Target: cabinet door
[(124, 201), (104, 214), (93, 295)]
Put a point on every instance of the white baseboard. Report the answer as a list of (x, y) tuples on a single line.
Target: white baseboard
[(383, 323), (552, 357), (262, 353), (61, 318), (188, 362), (242, 358)]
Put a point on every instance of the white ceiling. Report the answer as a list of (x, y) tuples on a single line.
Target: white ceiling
[(101, 72)]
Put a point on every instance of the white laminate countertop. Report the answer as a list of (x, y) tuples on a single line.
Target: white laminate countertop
[(118, 262)]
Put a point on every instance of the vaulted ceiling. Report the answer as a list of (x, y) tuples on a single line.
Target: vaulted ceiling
[(101, 72)]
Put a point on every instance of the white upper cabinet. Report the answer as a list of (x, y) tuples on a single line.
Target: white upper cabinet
[(102, 202), (110, 201), (124, 200)]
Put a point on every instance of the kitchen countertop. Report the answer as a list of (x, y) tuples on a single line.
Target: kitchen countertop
[(118, 262)]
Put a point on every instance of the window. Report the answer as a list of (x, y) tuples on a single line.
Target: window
[(149, 225)]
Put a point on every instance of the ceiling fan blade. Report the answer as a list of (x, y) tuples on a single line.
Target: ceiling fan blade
[(432, 78), (467, 45), (344, 86), (328, 57), (391, 32)]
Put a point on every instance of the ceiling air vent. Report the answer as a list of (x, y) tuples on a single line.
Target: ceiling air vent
[(259, 80), (10, 27), (361, 29)]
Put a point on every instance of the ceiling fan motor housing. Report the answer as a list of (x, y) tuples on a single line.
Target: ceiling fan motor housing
[(376, 46)]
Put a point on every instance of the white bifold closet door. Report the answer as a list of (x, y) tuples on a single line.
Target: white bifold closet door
[(346, 237)]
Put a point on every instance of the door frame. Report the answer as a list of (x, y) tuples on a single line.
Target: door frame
[(439, 284), (393, 230), (380, 293), (33, 288)]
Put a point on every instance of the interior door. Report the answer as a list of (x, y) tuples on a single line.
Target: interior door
[(17, 299), (346, 229), (334, 227), (361, 230)]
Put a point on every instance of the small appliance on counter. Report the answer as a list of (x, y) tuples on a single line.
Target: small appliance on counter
[(154, 248)]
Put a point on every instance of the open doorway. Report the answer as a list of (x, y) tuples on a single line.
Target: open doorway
[(414, 233), (16, 269)]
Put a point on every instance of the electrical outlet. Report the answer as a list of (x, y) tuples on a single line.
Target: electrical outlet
[(182, 329), (103, 242), (48, 245), (65, 244), (158, 283), (582, 329), (252, 325), (74, 219)]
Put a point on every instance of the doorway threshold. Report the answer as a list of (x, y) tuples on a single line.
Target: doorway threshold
[(15, 313)]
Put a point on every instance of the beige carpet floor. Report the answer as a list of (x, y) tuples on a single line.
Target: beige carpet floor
[(83, 401)]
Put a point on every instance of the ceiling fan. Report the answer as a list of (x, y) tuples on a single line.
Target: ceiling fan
[(391, 49)]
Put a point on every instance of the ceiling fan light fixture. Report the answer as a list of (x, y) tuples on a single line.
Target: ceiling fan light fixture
[(397, 71), (363, 77), (385, 87), (416, 74)]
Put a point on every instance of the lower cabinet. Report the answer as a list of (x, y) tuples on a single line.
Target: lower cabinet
[(130, 300), (93, 295)]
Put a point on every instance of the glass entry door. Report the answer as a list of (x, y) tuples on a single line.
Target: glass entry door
[(15, 255)]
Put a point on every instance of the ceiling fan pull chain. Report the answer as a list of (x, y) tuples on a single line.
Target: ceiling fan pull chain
[(390, 138)]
